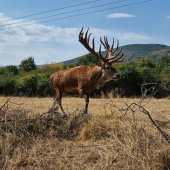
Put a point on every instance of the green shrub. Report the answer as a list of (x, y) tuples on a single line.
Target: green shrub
[(43, 85), (27, 83), (7, 84)]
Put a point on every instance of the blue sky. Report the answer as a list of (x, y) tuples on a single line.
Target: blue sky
[(130, 21)]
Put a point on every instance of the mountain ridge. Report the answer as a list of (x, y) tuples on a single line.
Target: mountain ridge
[(134, 52)]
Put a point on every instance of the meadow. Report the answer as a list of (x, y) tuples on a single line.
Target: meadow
[(110, 136)]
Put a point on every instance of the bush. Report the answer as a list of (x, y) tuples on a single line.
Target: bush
[(7, 84), (53, 67), (43, 85), (132, 76), (27, 84), (12, 69)]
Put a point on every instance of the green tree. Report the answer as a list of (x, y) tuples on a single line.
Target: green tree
[(148, 75), (147, 70), (145, 62), (12, 69), (27, 83), (88, 60), (27, 65), (164, 60), (7, 84), (165, 76), (2, 70), (163, 63), (71, 65), (44, 87)]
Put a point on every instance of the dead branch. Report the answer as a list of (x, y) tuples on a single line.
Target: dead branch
[(150, 89), (143, 110), (153, 88), (8, 100)]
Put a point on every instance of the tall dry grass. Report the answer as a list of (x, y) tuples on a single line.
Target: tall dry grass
[(102, 139)]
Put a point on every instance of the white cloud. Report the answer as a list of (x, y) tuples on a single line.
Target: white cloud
[(35, 32), (51, 44), (120, 15), (133, 36), (120, 35), (168, 17)]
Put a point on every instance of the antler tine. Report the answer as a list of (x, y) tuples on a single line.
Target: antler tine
[(110, 51), (121, 60), (81, 30), (115, 55), (93, 45), (85, 42), (81, 34), (100, 50), (116, 47), (112, 45), (106, 41), (117, 60), (106, 55), (101, 53), (102, 43), (88, 39), (86, 33), (117, 43)]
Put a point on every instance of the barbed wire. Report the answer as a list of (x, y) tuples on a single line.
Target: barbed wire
[(76, 15)]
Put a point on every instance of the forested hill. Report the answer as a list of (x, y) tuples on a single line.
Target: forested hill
[(134, 52), (153, 51)]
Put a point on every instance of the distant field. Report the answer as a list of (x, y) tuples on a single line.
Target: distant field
[(157, 107), (102, 139)]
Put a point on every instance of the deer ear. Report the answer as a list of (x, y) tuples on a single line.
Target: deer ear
[(99, 63)]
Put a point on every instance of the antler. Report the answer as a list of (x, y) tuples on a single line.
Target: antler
[(110, 51), (85, 42)]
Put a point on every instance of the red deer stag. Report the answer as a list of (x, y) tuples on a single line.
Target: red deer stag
[(83, 79)]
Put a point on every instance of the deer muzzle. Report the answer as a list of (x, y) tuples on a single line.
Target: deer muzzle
[(116, 76)]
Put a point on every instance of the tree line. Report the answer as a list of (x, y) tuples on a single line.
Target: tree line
[(35, 81)]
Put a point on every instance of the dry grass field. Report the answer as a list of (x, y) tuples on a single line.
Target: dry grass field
[(34, 137)]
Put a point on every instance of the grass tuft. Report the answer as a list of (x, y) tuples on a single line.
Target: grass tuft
[(49, 140)]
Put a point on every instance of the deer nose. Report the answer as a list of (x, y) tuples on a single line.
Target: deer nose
[(118, 75)]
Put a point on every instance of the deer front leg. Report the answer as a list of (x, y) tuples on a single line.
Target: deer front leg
[(58, 99), (87, 103)]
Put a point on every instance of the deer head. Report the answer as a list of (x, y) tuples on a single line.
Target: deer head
[(108, 71)]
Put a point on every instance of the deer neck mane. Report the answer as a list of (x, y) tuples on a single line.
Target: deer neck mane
[(98, 77)]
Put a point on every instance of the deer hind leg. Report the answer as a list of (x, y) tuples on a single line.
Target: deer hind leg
[(58, 99), (87, 103), (86, 96)]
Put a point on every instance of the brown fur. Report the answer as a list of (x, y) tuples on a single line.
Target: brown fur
[(82, 80), (85, 79), (73, 80)]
